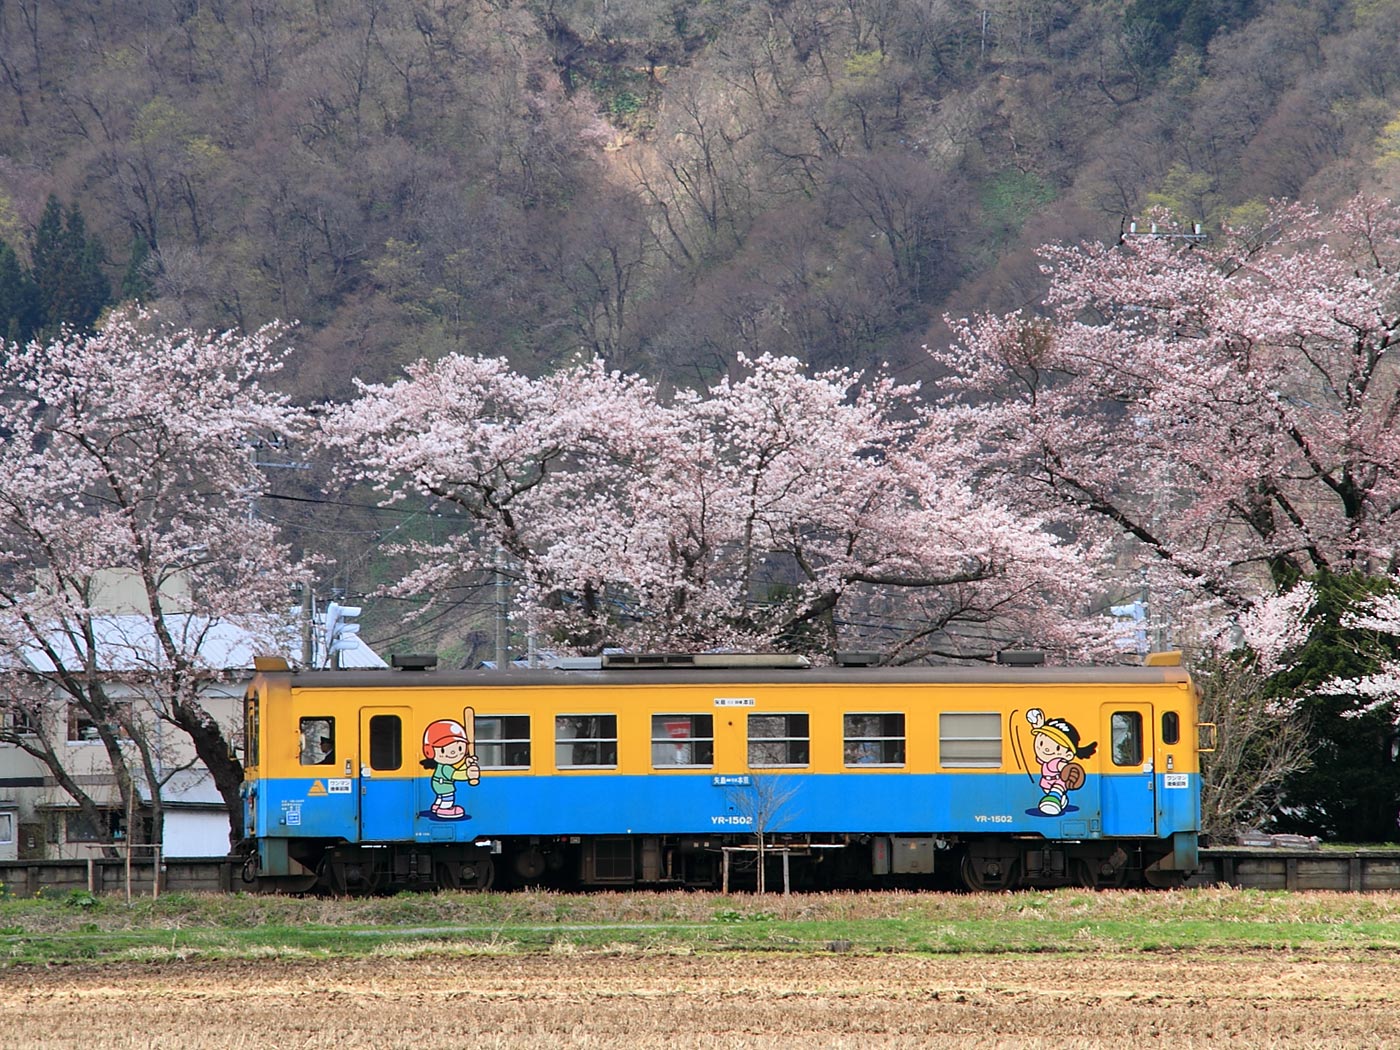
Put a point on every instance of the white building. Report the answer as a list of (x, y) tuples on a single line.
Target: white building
[(39, 818)]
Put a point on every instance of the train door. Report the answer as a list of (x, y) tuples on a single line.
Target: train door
[(388, 775), (1127, 784)]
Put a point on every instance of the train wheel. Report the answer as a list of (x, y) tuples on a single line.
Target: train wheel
[(447, 875), (1098, 875), (1165, 880), (990, 876), (485, 874), (474, 875), (355, 877), (331, 877)]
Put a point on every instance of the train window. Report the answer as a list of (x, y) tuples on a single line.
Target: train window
[(585, 741), (385, 742), (779, 740), (874, 740), (969, 740), (682, 740), (1171, 727), (250, 728), (503, 741), (317, 741), (1126, 729)]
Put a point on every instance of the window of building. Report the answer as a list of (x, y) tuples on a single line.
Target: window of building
[(503, 741), (874, 739), (385, 742), (7, 827), (19, 721), (1126, 732), (585, 741), (969, 740), (779, 740), (78, 827), (83, 727), (682, 740), (317, 741)]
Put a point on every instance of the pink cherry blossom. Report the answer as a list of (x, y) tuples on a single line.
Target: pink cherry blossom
[(1227, 409), (776, 508), (130, 450)]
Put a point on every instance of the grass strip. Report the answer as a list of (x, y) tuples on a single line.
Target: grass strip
[(79, 928)]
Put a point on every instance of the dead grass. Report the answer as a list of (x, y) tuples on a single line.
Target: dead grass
[(181, 911), (680, 1001)]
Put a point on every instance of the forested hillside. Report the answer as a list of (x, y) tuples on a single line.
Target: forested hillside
[(664, 185)]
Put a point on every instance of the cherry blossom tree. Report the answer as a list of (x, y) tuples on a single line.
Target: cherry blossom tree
[(1226, 409), (1379, 691), (765, 511), (1229, 406), (127, 452)]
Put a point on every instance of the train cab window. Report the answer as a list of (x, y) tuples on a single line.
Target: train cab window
[(503, 741), (317, 741), (682, 740), (969, 740), (385, 742), (874, 739), (1126, 731), (779, 740), (585, 741), (1171, 727)]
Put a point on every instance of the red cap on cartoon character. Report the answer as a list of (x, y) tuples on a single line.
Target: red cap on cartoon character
[(441, 733)]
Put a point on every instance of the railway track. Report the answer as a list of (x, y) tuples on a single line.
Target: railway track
[(1359, 870)]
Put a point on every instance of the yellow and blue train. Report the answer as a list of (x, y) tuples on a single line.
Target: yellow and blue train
[(670, 770)]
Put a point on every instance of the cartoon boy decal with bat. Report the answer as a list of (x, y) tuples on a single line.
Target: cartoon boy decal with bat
[(449, 750)]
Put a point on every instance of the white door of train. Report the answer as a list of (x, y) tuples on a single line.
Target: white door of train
[(1128, 781), (389, 774)]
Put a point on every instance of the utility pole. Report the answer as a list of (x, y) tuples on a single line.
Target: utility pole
[(502, 610), (308, 616)]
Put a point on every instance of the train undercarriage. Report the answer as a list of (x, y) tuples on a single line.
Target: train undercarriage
[(978, 863)]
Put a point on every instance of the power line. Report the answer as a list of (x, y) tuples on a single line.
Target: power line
[(322, 501)]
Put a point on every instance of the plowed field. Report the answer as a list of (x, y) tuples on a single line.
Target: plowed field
[(631, 1000)]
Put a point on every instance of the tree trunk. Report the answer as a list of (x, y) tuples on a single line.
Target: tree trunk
[(214, 751)]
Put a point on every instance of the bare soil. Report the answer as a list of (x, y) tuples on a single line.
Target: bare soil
[(632, 1000)]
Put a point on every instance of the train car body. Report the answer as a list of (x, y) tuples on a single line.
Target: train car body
[(998, 777)]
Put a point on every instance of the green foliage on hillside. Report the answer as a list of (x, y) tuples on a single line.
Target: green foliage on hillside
[(663, 185)]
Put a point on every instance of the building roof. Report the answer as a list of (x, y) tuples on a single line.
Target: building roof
[(126, 642)]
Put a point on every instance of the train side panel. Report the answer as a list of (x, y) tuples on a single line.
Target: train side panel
[(714, 761)]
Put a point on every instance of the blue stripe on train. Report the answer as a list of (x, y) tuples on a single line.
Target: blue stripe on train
[(602, 804)]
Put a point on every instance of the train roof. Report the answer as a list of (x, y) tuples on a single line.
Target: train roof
[(979, 675)]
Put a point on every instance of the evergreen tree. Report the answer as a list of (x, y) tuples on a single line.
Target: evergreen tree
[(1349, 793), (73, 290), (19, 298), (136, 281)]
